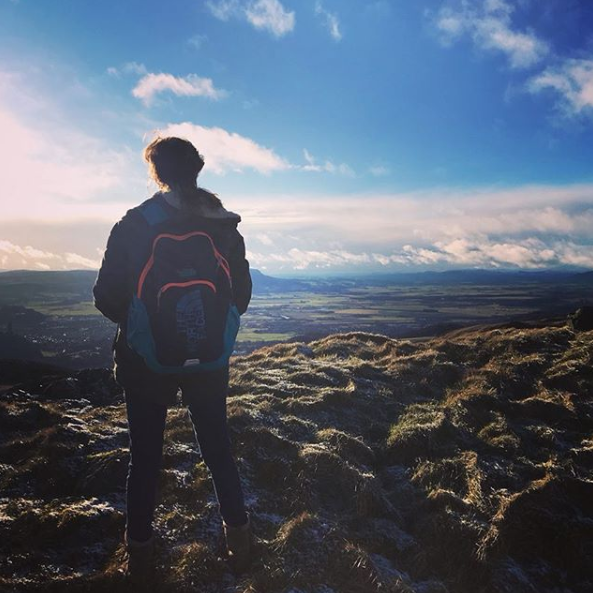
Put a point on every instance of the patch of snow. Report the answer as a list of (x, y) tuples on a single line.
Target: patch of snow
[(386, 570), (271, 517)]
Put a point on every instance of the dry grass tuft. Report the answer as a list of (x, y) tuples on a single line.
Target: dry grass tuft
[(462, 464)]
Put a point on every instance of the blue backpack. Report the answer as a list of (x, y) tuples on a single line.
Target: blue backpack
[(182, 318)]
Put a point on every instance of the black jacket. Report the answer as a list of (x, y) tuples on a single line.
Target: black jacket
[(128, 248)]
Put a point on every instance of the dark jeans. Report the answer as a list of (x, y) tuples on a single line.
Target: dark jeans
[(206, 398)]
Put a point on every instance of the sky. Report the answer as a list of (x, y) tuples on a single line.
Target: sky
[(353, 136)]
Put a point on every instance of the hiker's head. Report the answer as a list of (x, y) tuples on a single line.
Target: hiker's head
[(174, 163)]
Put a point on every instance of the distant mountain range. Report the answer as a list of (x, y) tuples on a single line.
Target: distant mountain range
[(263, 283), (480, 276), (81, 281)]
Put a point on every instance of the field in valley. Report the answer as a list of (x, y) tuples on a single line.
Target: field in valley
[(72, 332)]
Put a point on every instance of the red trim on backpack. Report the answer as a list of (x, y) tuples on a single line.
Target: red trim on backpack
[(221, 260), (183, 285)]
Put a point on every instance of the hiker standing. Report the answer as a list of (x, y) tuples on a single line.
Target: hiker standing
[(175, 278)]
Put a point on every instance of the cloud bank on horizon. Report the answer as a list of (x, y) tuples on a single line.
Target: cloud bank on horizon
[(350, 137)]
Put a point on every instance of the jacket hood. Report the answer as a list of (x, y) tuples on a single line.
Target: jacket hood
[(199, 209)]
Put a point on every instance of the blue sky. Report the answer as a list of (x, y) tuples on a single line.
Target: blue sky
[(351, 135)]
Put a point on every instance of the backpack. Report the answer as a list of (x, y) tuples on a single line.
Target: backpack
[(181, 318)]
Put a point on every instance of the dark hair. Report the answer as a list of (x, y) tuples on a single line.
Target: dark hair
[(174, 164)]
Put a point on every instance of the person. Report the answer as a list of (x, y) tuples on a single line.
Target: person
[(174, 164)]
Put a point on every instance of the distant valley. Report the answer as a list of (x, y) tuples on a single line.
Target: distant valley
[(50, 316)]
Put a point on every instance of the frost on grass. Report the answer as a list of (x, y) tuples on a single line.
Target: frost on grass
[(461, 464)]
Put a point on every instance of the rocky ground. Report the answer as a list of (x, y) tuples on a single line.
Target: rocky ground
[(463, 464)]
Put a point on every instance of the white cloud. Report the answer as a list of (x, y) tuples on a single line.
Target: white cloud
[(426, 216), (51, 170), (188, 86), (528, 227), (300, 259), (127, 68), (530, 253), (264, 239), (330, 20), (30, 258), (197, 41), (268, 15), (250, 103), (572, 81), (29, 252), (39, 174), (61, 193), (489, 24), (224, 9), (379, 171), (78, 261), (227, 151), (327, 166)]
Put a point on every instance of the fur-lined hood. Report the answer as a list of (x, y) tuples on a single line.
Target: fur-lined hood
[(199, 208)]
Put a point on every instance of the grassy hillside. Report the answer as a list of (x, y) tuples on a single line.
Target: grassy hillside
[(463, 464)]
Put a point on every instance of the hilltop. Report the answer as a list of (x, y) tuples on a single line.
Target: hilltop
[(460, 464)]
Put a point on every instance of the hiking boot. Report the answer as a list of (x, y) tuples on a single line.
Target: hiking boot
[(140, 562), (239, 543)]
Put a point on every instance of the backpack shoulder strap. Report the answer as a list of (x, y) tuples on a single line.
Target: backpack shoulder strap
[(153, 212)]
